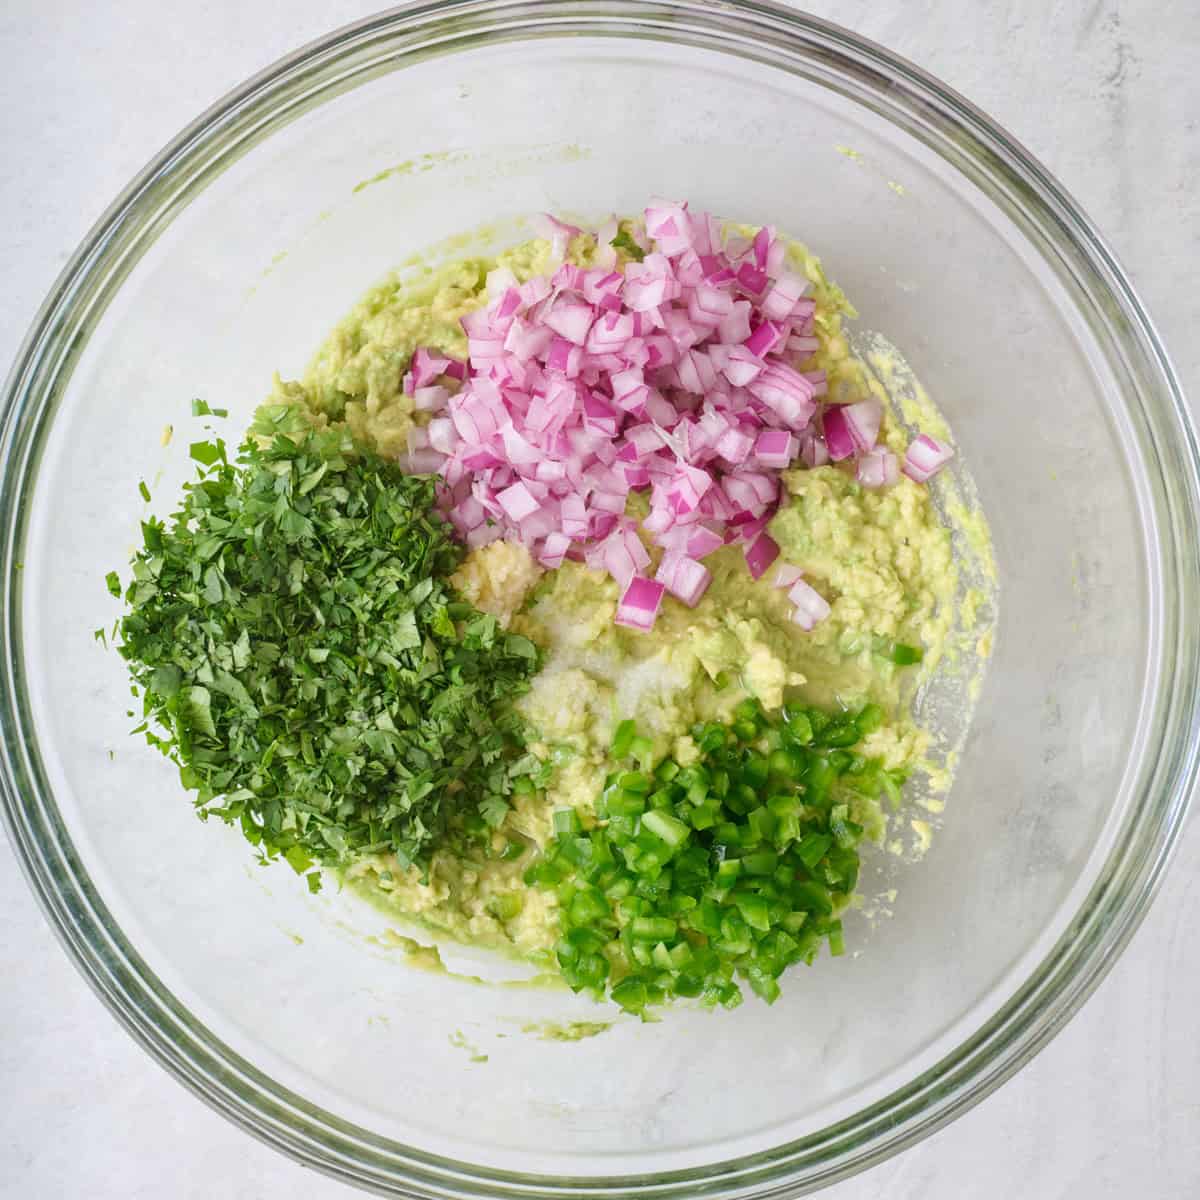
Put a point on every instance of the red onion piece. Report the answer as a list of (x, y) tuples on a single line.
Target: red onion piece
[(781, 299), (925, 457), (430, 399), (554, 550), (640, 603), (786, 575), (838, 439), (422, 462), (810, 606), (559, 233), (684, 578), (426, 366), (570, 320), (760, 554), (878, 468), (517, 502), (775, 448), (765, 337)]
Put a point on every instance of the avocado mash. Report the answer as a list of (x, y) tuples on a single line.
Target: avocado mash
[(885, 559), (584, 602)]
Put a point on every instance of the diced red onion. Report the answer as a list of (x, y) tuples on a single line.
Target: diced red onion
[(430, 399), (675, 374), (517, 502), (559, 233), (535, 290), (526, 341), (878, 468), (602, 525), (608, 502), (554, 550), (617, 560), (787, 393), (814, 452), (423, 461), (803, 345), (761, 245), (735, 328), (476, 323), (660, 520), (747, 530), (517, 450), (483, 535), (838, 438), (779, 302), (852, 429), (702, 541), (640, 603), (742, 365), (441, 435), (683, 577), (925, 458), (752, 279), (575, 519), (810, 606), (606, 254), (571, 321), (668, 224), (786, 575), (467, 514), (776, 253), (565, 357), (760, 554), (426, 366), (818, 381), (765, 337), (775, 448), (648, 291), (734, 446), (645, 439)]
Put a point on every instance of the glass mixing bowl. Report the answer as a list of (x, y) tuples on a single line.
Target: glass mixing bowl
[(234, 252)]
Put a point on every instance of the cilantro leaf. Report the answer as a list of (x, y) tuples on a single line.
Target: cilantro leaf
[(625, 243), (207, 453)]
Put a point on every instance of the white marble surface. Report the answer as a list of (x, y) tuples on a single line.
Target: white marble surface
[(1108, 95)]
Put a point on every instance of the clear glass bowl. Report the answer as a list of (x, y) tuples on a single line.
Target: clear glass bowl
[(234, 252)]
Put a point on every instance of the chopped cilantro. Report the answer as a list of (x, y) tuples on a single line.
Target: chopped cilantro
[(208, 453), (145, 491), (306, 663), (200, 408), (625, 243)]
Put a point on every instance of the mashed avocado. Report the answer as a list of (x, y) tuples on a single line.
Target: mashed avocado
[(356, 376), (884, 560)]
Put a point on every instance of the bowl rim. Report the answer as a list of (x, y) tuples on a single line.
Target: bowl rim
[(986, 153)]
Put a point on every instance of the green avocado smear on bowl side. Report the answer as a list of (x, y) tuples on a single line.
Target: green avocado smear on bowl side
[(480, 735)]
